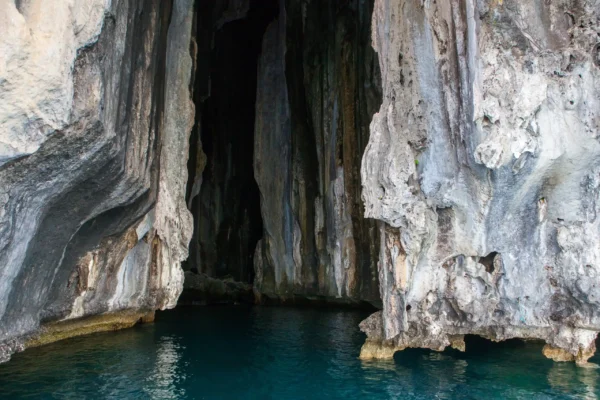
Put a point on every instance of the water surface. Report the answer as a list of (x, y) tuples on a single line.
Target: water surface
[(278, 353)]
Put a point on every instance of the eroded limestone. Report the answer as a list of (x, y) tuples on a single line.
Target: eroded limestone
[(486, 143), (95, 113)]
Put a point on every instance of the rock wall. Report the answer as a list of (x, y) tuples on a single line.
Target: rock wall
[(95, 113), (483, 167), (318, 87), (468, 206)]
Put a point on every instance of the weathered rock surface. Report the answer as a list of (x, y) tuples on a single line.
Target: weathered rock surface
[(318, 87), (468, 206), (95, 113), (201, 289), (483, 166)]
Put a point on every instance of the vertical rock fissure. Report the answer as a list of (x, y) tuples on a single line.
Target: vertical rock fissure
[(222, 192), (304, 161)]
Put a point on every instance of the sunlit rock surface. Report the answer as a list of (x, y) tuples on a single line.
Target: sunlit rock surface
[(95, 113), (483, 166)]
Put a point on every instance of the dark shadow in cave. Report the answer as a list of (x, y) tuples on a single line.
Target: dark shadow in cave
[(476, 348), (226, 209)]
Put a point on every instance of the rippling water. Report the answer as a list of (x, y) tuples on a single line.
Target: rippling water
[(278, 353)]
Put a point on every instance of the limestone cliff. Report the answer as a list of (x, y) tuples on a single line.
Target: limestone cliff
[(95, 112), (483, 166), (466, 205)]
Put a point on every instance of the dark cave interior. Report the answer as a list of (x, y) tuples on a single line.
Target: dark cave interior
[(228, 222), (281, 208)]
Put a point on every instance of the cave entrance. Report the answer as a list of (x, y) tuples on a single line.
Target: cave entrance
[(305, 76), (222, 193)]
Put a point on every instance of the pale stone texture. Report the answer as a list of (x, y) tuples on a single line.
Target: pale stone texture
[(93, 152), (483, 165), (479, 181), (38, 47)]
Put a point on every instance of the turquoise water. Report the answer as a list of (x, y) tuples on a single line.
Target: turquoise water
[(278, 353)]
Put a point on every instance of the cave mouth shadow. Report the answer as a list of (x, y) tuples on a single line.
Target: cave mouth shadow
[(222, 193), (477, 348)]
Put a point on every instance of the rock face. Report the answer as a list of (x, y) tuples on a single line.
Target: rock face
[(201, 289), (483, 165), (318, 87), (466, 205), (95, 113)]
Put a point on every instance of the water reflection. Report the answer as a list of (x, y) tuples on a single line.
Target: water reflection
[(167, 374), (588, 376), (492, 371), (280, 353), (569, 379), (415, 371)]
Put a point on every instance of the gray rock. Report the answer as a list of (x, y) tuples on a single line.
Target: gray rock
[(92, 151), (201, 289), (466, 205), (318, 87), (483, 165)]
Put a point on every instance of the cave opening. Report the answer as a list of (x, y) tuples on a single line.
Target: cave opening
[(284, 94), (222, 192), (488, 262)]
